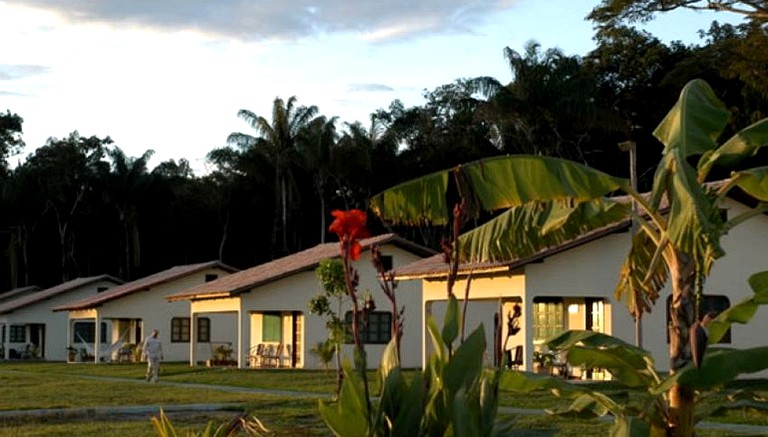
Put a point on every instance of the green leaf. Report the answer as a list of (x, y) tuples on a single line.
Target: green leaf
[(527, 229), (574, 337), (759, 284), (640, 280), (465, 366), (741, 312), (400, 406), (754, 182), (437, 340), (724, 365), (631, 365), (509, 181), (451, 322), (694, 123), (694, 225), (489, 400), (623, 363), (492, 184), (349, 416), (411, 400), (741, 146), (418, 201), (526, 382), (630, 427), (389, 359)]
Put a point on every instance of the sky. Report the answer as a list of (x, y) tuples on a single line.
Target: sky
[(171, 75)]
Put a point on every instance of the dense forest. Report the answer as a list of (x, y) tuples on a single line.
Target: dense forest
[(78, 206)]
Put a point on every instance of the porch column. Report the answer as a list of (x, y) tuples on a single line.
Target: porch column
[(240, 338), (245, 338), (6, 336), (69, 336), (425, 311), (97, 338), (528, 317), (192, 337)]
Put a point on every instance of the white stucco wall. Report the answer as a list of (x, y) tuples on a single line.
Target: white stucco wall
[(294, 292), (156, 312), (55, 338), (487, 294)]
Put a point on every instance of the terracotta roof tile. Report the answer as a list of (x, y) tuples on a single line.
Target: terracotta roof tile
[(48, 293), (143, 284), (271, 271), (16, 292), (435, 266)]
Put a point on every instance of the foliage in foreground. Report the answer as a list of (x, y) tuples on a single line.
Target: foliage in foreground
[(454, 395), (249, 425)]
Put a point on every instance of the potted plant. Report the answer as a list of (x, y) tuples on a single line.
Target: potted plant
[(222, 356), (84, 355), (542, 361), (71, 354)]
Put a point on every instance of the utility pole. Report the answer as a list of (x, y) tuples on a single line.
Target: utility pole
[(631, 147)]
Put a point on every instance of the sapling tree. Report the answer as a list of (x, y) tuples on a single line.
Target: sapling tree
[(330, 273)]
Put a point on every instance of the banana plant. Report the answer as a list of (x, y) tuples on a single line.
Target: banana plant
[(540, 201), (648, 413)]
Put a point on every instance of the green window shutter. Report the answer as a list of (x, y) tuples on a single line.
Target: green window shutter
[(271, 327)]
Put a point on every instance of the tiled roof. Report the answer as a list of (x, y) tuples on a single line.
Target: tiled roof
[(48, 293), (272, 271), (435, 267), (143, 284), (16, 292)]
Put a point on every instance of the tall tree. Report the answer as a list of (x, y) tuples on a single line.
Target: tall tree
[(128, 183), (547, 108), (610, 13), (10, 138), (276, 140), (316, 143), (545, 200), (633, 72), (63, 172), (236, 186)]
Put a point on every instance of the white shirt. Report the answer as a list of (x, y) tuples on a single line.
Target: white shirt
[(153, 348)]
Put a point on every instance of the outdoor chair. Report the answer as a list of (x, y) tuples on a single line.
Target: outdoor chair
[(256, 355), (271, 356), (285, 359), (560, 365), (517, 361)]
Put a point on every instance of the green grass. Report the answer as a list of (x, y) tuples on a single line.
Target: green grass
[(61, 385)]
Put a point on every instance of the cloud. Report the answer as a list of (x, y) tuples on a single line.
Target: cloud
[(369, 87), (20, 71), (268, 20)]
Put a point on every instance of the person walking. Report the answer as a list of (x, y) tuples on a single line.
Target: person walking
[(153, 353)]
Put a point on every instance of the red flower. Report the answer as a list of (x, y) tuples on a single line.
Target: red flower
[(350, 227)]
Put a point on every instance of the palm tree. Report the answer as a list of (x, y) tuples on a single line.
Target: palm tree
[(276, 140), (316, 145), (548, 97), (548, 200), (128, 183)]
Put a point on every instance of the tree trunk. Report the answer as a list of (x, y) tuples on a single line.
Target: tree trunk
[(224, 233), (321, 193), (284, 212), (682, 271)]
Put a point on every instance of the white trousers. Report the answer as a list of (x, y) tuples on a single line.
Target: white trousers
[(153, 368)]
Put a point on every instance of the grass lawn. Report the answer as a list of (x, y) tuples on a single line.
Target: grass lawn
[(60, 385)]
